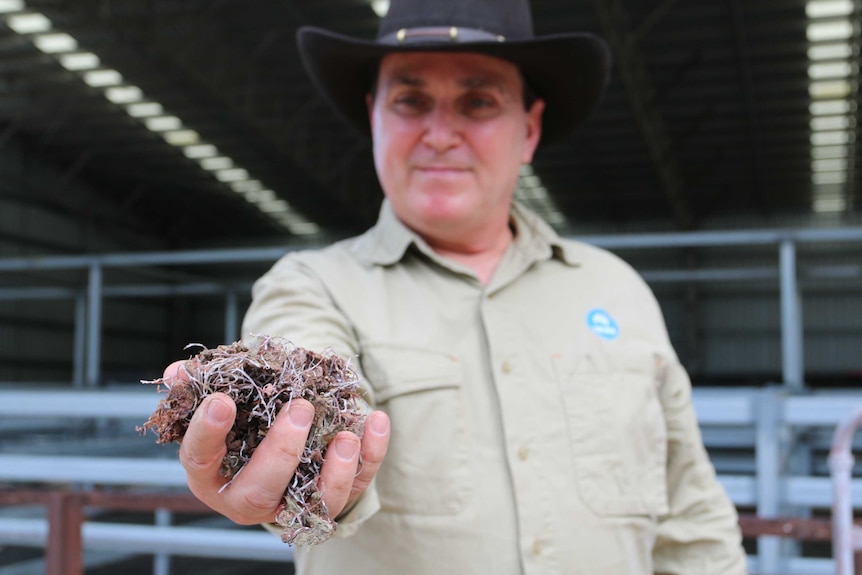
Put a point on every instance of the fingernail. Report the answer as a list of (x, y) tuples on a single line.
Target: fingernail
[(218, 412), (345, 449), (301, 415), (379, 423)]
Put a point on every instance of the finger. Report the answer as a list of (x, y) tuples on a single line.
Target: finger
[(375, 443), (257, 492), (203, 447), (339, 471), (175, 370)]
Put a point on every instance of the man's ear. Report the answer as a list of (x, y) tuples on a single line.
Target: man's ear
[(534, 130)]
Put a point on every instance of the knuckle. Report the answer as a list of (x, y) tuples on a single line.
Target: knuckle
[(193, 461), (285, 451), (360, 484), (255, 504), (372, 459)]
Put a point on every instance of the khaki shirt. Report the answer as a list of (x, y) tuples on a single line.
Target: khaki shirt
[(541, 424)]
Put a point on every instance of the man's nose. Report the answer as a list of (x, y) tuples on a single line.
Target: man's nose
[(442, 128)]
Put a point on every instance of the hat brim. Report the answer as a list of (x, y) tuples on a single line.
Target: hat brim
[(568, 71)]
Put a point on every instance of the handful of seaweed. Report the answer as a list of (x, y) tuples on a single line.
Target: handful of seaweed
[(260, 379)]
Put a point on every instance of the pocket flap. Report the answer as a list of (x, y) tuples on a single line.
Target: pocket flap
[(395, 369)]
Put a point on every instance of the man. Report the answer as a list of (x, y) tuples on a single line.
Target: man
[(540, 421)]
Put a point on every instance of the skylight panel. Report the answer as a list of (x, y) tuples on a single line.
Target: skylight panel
[(124, 94), (830, 51), (829, 204), (829, 165), (181, 138), (830, 70), (30, 23), (821, 123), (274, 206), (829, 138), (829, 8), (829, 89), (822, 152), (163, 123), (7, 6), (103, 78), (216, 163), (833, 30), (80, 61), (55, 43), (246, 186), (830, 107), (231, 174), (145, 109), (834, 77), (200, 151)]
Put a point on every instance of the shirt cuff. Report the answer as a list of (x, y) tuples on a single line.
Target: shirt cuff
[(349, 521), (358, 512)]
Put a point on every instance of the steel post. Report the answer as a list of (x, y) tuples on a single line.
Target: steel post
[(841, 470), (792, 369), (94, 324), (80, 340), (64, 549), (231, 316), (162, 561), (768, 443)]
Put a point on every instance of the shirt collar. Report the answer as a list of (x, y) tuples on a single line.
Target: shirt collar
[(387, 242)]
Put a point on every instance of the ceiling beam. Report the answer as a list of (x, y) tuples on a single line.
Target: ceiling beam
[(746, 84), (632, 70)]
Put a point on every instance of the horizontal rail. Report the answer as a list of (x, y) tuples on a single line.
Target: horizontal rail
[(137, 403), (264, 254), (123, 291), (818, 410), (712, 406), (225, 543), (99, 470), (718, 239)]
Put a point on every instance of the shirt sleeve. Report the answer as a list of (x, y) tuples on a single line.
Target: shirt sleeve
[(700, 534), (290, 301)]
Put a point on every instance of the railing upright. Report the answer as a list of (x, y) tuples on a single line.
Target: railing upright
[(94, 324), (792, 366)]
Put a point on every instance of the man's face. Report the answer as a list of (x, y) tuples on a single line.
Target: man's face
[(450, 133)]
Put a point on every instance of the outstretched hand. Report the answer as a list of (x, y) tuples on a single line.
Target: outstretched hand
[(255, 495)]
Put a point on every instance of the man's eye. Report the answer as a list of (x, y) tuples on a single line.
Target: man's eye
[(478, 106), (479, 102), (409, 103)]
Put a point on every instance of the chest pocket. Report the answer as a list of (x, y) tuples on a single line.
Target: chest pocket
[(425, 470), (618, 437)]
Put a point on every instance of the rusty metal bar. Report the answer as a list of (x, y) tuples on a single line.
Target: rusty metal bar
[(64, 549), (120, 500), (144, 501), (800, 528), (63, 555)]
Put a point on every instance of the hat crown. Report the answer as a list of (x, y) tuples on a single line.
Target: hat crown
[(508, 18)]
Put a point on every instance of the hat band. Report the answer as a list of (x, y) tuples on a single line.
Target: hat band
[(451, 34)]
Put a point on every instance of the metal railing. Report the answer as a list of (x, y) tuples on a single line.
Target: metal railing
[(766, 421)]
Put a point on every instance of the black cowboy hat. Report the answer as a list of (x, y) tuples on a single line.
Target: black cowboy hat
[(568, 71)]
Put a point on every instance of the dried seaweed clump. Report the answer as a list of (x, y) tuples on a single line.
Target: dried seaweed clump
[(261, 379)]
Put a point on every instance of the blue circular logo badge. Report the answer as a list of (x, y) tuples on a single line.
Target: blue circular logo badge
[(602, 324)]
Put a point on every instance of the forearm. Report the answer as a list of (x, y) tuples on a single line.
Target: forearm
[(700, 534)]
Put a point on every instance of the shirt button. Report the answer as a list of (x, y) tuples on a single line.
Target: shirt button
[(523, 453), (537, 547), (506, 367)]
